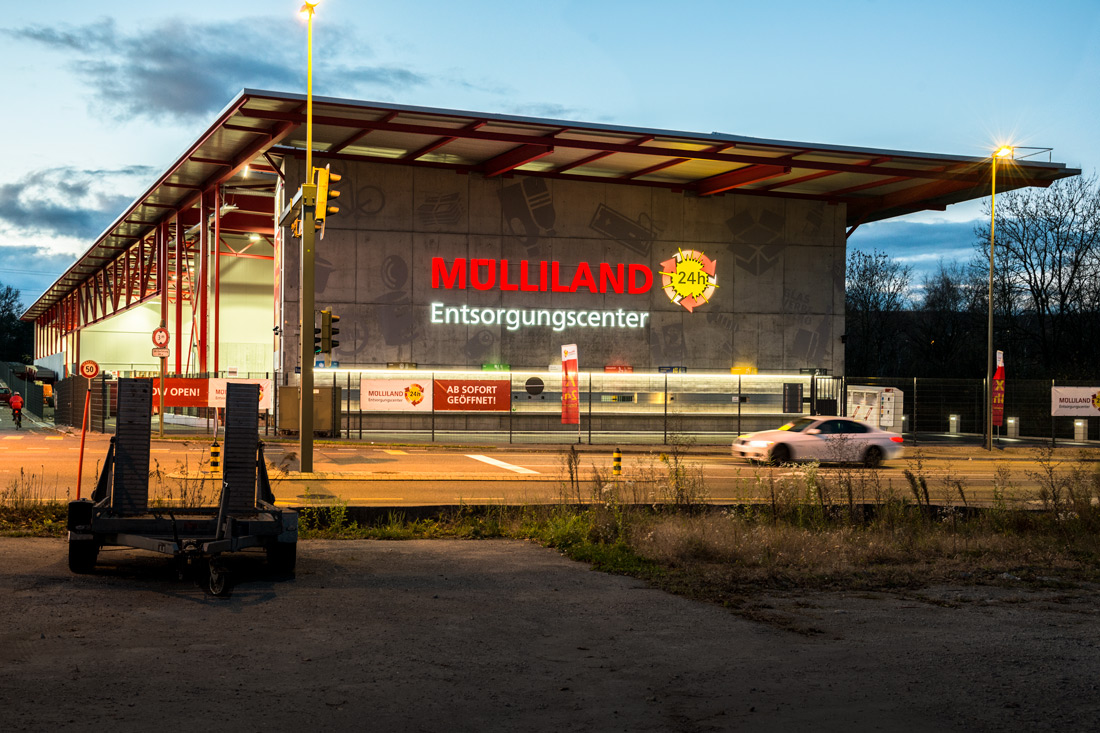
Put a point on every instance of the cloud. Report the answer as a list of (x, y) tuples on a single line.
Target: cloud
[(68, 202), (920, 245), (179, 69), (31, 269)]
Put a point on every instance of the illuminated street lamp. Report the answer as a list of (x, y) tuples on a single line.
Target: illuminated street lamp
[(1005, 151), (306, 199), (307, 10)]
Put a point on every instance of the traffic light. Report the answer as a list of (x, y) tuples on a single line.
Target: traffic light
[(326, 332), (328, 343), (317, 346), (324, 178)]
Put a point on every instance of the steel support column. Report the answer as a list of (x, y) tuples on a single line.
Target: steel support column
[(217, 275), (202, 267), (178, 345)]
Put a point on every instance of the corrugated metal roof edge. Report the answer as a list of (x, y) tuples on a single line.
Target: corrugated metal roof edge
[(1058, 169)]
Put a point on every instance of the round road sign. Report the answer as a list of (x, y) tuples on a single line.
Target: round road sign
[(89, 369), (161, 337)]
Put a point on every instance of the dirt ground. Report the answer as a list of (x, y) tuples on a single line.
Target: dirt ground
[(504, 635)]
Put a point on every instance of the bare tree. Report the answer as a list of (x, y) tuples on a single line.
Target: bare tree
[(1047, 261), (15, 336), (877, 292), (947, 323)]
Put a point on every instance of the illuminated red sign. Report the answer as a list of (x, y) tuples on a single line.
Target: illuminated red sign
[(182, 392), (473, 394), (540, 277)]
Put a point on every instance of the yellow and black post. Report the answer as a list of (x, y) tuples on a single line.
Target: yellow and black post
[(617, 463), (215, 458)]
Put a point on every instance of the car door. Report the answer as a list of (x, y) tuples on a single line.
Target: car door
[(850, 439)]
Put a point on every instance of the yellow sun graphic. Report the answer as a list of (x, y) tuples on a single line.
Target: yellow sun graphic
[(688, 278)]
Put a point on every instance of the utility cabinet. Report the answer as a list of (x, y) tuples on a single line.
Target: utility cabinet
[(326, 411)]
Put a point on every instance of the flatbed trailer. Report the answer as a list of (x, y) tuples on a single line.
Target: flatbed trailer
[(119, 513)]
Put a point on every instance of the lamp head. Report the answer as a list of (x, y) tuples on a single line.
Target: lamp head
[(307, 9), (1005, 151)]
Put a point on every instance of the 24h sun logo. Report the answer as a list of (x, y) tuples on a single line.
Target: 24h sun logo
[(414, 394), (1096, 400), (689, 278)]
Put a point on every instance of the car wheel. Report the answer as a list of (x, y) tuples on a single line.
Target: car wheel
[(780, 454), (873, 457)]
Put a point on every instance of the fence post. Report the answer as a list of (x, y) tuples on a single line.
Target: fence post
[(914, 426), (666, 408), (1053, 439)]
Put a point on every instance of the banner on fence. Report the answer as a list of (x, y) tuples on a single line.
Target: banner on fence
[(570, 386), (999, 391), (482, 395), (1075, 401), (182, 392), (395, 395), (218, 389)]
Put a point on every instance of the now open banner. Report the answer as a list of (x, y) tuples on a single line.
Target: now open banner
[(194, 392)]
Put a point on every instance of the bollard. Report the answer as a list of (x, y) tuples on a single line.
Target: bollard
[(216, 458), (617, 463)]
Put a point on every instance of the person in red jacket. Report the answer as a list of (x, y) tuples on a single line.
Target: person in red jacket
[(16, 405)]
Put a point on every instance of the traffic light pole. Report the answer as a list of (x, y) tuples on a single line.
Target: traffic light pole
[(305, 299)]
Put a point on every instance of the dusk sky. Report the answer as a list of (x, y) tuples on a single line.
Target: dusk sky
[(102, 97)]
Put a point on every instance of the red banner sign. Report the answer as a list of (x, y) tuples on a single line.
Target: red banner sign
[(999, 391), (570, 386), (182, 392), (482, 395)]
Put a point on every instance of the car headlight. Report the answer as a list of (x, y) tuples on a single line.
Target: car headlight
[(760, 443)]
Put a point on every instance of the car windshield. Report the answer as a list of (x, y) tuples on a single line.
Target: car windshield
[(797, 426)]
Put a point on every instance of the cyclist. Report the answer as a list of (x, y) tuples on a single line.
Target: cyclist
[(16, 405)]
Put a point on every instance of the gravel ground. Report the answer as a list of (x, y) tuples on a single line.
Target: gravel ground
[(502, 635)]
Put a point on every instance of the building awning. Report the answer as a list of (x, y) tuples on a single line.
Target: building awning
[(242, 151)]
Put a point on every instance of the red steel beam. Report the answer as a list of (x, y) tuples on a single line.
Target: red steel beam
[(737, 178), (438, 143), (513, 159), (653, 169)]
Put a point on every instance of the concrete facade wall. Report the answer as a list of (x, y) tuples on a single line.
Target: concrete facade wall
[(779, 305)]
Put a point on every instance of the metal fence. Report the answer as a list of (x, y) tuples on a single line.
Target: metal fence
[(15, 376), (653, 404)]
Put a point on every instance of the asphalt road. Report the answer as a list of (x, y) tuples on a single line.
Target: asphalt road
[(43, 462), (505, 636)]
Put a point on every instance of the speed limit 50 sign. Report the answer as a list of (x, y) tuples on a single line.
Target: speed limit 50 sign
[(89, 369)]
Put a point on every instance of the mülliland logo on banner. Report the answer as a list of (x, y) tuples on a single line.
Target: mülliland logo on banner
[(689, 278), (1075, 401)]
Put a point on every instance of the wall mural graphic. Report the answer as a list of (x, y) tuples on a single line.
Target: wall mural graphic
[(723, 321), (398, 326), (368, 200), (813, 331), (668, 343), (636, 235), (528, 208), (440, 210), (480, 347), (765, 228)]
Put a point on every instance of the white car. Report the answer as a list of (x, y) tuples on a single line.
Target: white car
[(825, 439)]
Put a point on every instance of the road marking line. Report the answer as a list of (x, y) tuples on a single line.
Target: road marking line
[(501, 464), (396, 452), (375, 498), (55, 438), (13, 437), (160, 450)]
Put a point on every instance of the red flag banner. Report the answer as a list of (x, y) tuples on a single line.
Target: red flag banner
[(999, 391), (570, 386)]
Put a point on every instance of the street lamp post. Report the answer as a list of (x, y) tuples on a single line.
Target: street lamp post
[(1002, 152), (306, 201)]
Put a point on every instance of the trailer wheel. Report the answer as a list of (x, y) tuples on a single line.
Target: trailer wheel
[(82, 556), (282, 557), (217, 581)]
